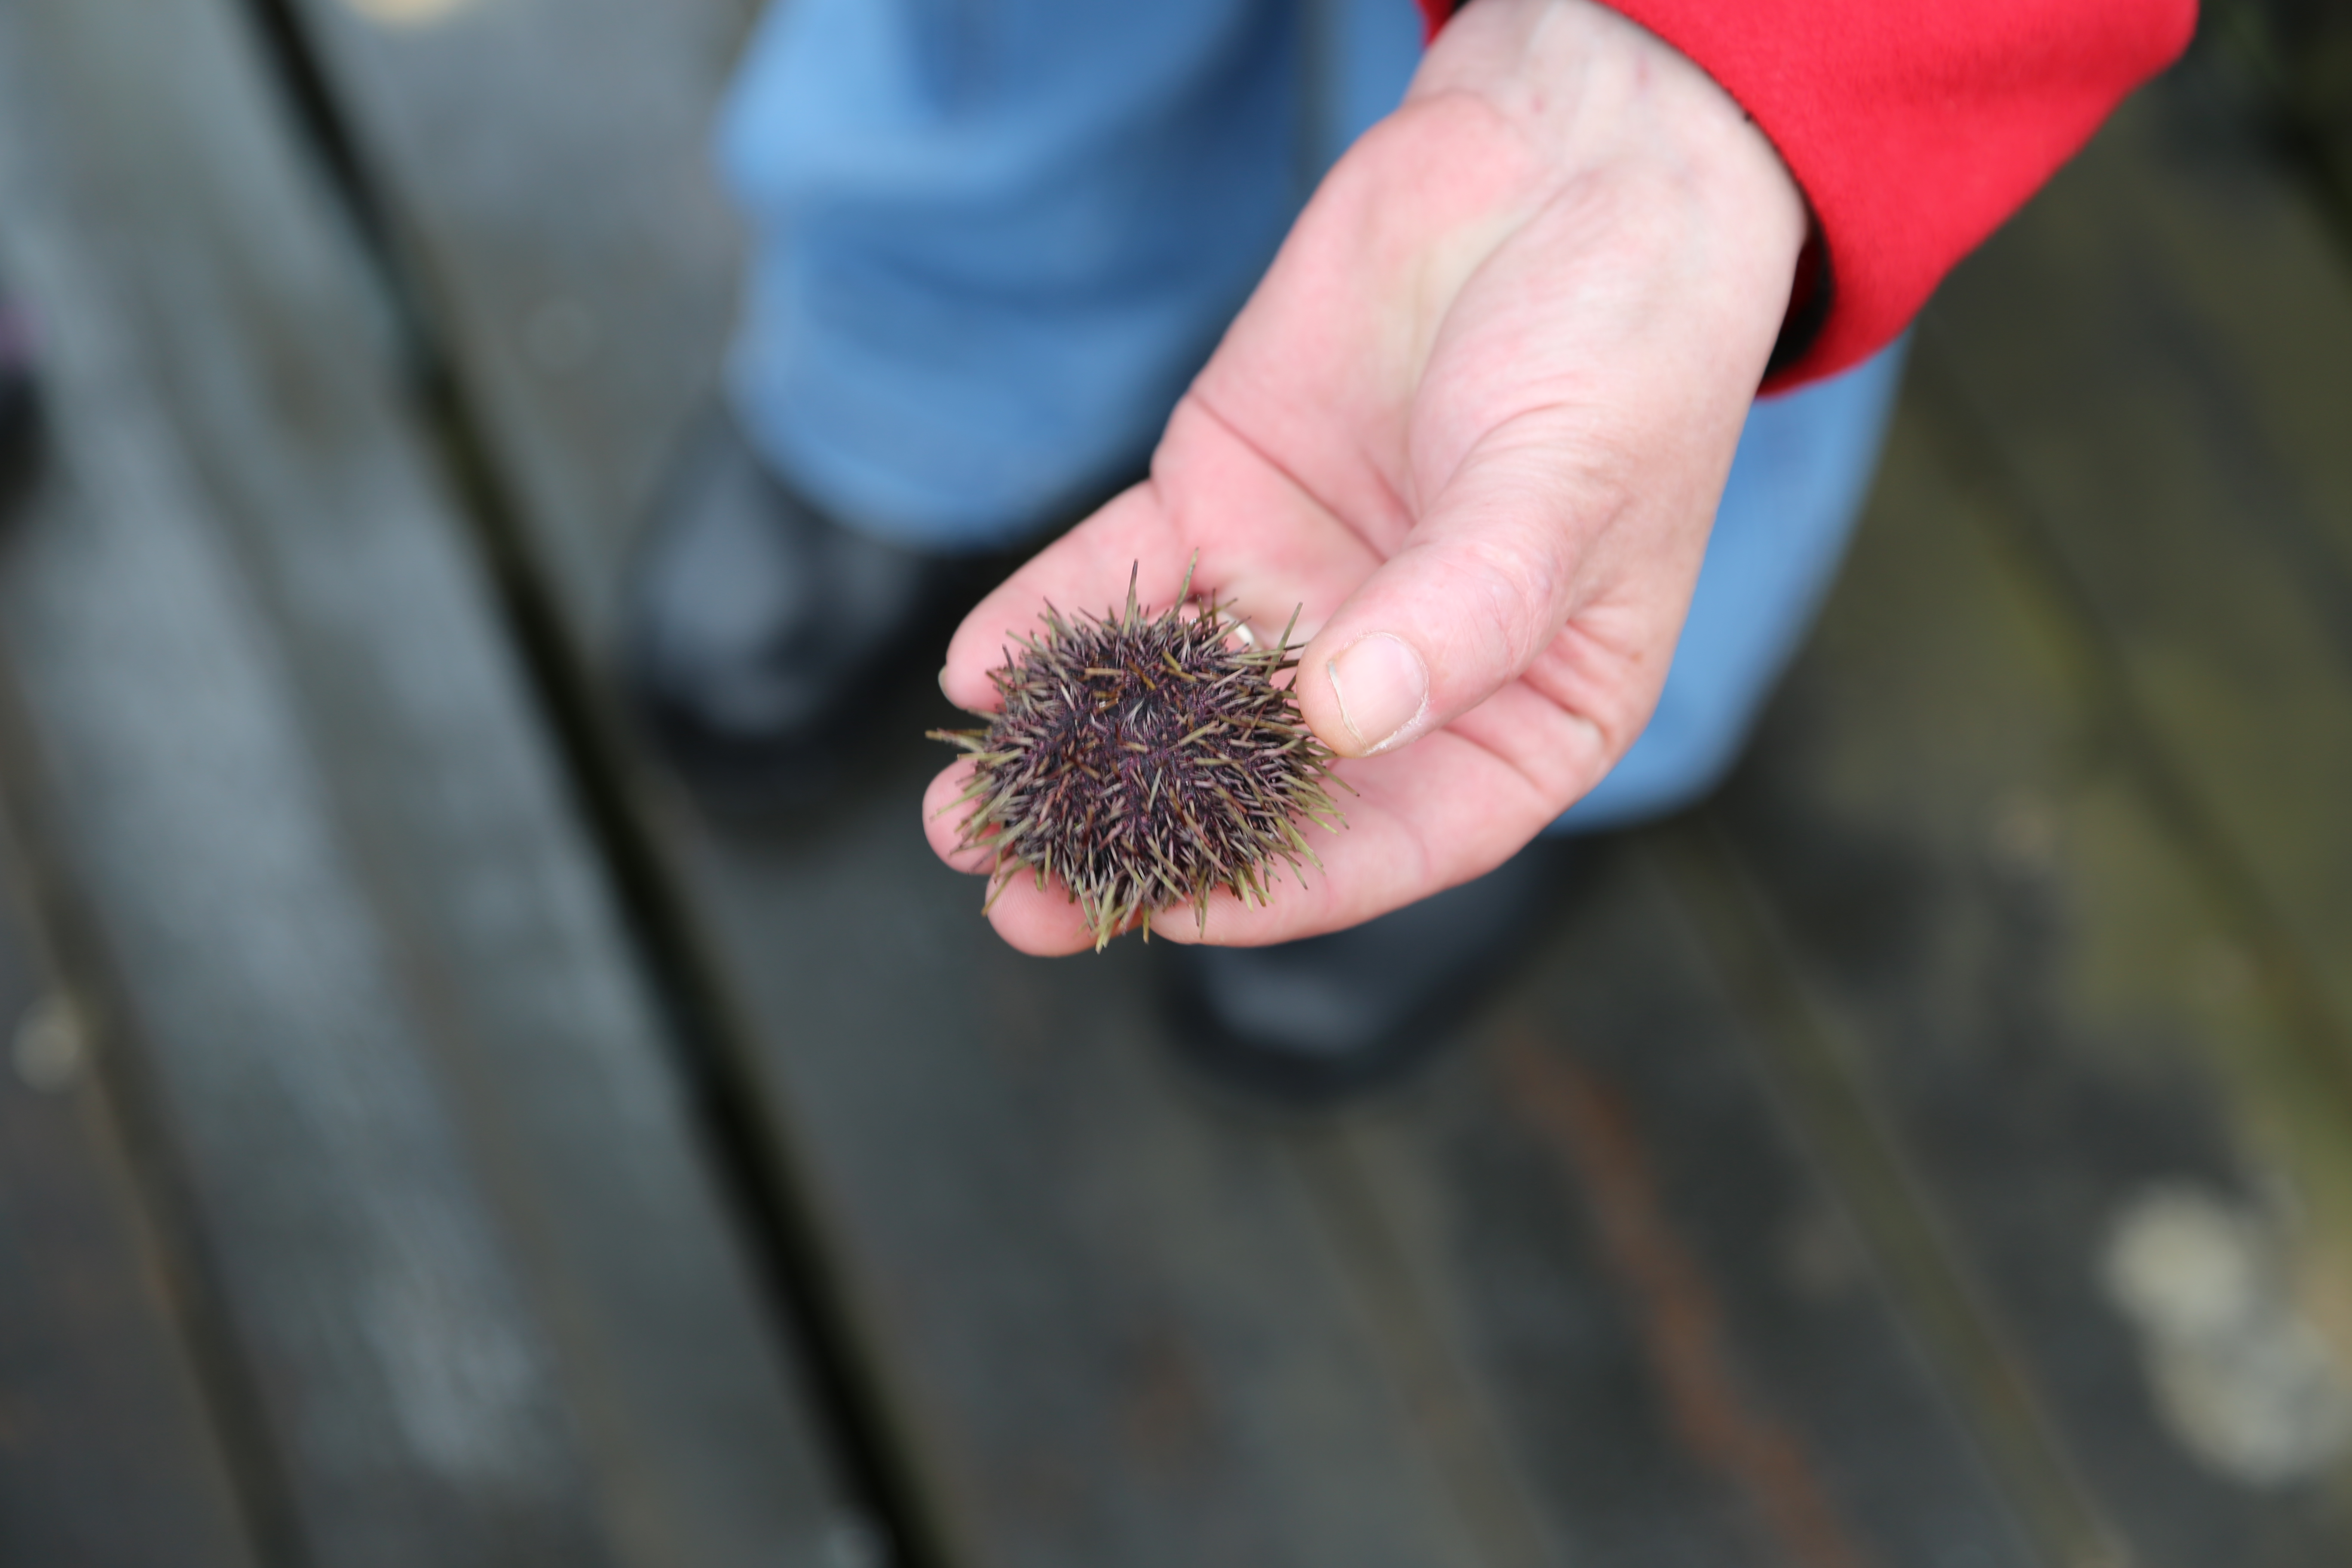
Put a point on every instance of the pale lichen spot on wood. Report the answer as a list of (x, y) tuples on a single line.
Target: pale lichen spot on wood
[(2240, 1377)]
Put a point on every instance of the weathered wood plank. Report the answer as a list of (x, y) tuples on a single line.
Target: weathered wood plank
[(1105, 1317), (2005, 940), (106, 1454), (2156, 357), (545, 170), (486, 1290), (1669, 1313)]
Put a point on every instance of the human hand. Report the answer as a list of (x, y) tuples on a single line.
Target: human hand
[(1475, 421)]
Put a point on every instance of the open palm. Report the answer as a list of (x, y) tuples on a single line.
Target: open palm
[(1473, 424)]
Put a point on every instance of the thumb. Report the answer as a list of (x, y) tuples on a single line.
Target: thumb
[(1528, 556)]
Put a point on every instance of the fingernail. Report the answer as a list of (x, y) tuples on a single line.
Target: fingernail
[(943, 682), (1381, 686)]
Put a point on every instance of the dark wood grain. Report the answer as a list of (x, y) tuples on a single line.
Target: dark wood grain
[(107, 1451), (2152, 361), (484, 1287), (2003, 934), (1666, 1309)]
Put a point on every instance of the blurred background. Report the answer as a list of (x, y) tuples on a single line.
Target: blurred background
[(426, 1139)]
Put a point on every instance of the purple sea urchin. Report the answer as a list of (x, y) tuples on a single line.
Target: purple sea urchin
[(1145, 762)]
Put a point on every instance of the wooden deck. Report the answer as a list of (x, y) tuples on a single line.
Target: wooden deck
[(428, 1141)]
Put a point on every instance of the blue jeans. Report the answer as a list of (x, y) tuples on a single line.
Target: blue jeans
[(993, 239)]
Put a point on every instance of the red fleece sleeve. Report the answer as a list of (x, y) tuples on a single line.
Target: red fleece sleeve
[(1914, 129)]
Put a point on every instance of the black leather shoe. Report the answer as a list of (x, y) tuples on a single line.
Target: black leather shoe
[(1309, 1023), (756, 632)]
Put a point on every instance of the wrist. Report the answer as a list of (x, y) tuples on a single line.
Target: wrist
[(1583, 90)]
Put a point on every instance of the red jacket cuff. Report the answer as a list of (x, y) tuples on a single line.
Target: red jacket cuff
[(1913, 130)]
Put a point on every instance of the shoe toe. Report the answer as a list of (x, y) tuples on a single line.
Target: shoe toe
[(754, 623), (719, 607), (1314, 1022)]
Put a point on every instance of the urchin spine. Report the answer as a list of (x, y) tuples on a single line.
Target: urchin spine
[(1146, 763)]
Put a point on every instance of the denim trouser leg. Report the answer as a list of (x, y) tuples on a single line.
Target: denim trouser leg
[(993, 239), (1798, 482)]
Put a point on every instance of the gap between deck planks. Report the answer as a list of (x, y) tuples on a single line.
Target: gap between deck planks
[(481, 1289)]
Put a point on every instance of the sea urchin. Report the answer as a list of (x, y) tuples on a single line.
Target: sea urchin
[(1145, 761)]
